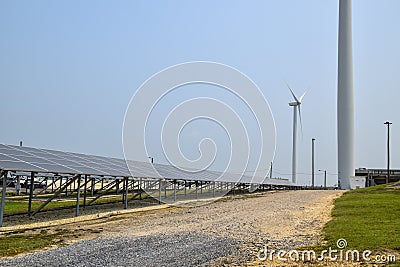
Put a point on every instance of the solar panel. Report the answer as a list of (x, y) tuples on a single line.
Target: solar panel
[(29, 159)]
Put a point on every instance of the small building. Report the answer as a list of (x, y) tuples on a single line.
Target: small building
[(357, 182), (375, 176)]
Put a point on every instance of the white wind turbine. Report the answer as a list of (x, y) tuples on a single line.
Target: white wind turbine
[(296, 108)]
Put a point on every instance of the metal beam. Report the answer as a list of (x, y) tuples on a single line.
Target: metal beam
[(159, 191), (31, 188), (213, 189), (197, 193), (137, 194), (84, 191), (126, 192), (140, 188), (78, 196), (109, 186), (174, 190), (66, 184), (3, 196), (93, 184), (43, 189)]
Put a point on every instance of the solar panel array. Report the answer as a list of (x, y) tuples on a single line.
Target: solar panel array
[(28, 159)]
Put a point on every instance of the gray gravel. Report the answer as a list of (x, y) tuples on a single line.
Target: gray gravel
[(222, 233), (159, 250)]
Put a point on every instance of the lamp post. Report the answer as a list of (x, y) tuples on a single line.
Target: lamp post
[(388, 123), (324, 177), (312, 163)]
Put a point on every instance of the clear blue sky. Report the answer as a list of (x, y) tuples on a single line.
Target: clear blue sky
[(69, 68)]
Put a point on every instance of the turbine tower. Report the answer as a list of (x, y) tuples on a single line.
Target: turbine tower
[(345, 100), (296, 108)]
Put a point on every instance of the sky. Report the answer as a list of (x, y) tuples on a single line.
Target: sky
[(68, 70)]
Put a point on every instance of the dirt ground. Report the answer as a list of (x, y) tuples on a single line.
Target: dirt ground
[(281, 220)]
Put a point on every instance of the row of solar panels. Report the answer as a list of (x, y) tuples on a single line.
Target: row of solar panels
[(28, 159)]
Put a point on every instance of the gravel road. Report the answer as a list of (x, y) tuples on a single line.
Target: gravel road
[(222, 233)]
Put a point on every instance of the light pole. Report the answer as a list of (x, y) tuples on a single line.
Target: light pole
[(312, 163), (324, 177), (151, 159), (388, 123)]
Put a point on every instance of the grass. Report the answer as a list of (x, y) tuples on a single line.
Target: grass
[(368, 219), (19, 243)]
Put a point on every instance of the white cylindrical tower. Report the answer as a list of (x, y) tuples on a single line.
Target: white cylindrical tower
[(345, 101), (294, 151)]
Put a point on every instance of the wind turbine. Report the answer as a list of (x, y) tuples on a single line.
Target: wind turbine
[(296, 108), (345, 98)]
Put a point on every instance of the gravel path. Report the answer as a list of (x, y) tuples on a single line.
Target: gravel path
[(221, 233), (156, 250)]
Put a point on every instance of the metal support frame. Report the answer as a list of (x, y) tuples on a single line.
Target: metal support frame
[(52, 184), (85, 190), (137, 194), (117, 187), (68, 183), (140, 188), (213, 189), (126, 185), (92, 185), (61, 184), (159, 191), (76, 182), (107, 188), (197, 193), (78, 195), (43, 189), (18, 187), (3, 195), (31, 188), (174, 190)]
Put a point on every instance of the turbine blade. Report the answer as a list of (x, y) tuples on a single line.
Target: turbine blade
[(294, 96), (301, 97), (301, 123)]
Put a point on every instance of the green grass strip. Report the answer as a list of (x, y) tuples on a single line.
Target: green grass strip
[(368, 218)]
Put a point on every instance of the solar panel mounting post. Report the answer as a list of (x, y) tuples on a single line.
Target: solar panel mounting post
[(84, 191), (213, 189), (174, 190), (140, 188), (197, 193), (159, 191), (18, 187), (78, 195), (52, 185), (31, 188), (126, 193), (3, 196), (92, 187)]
